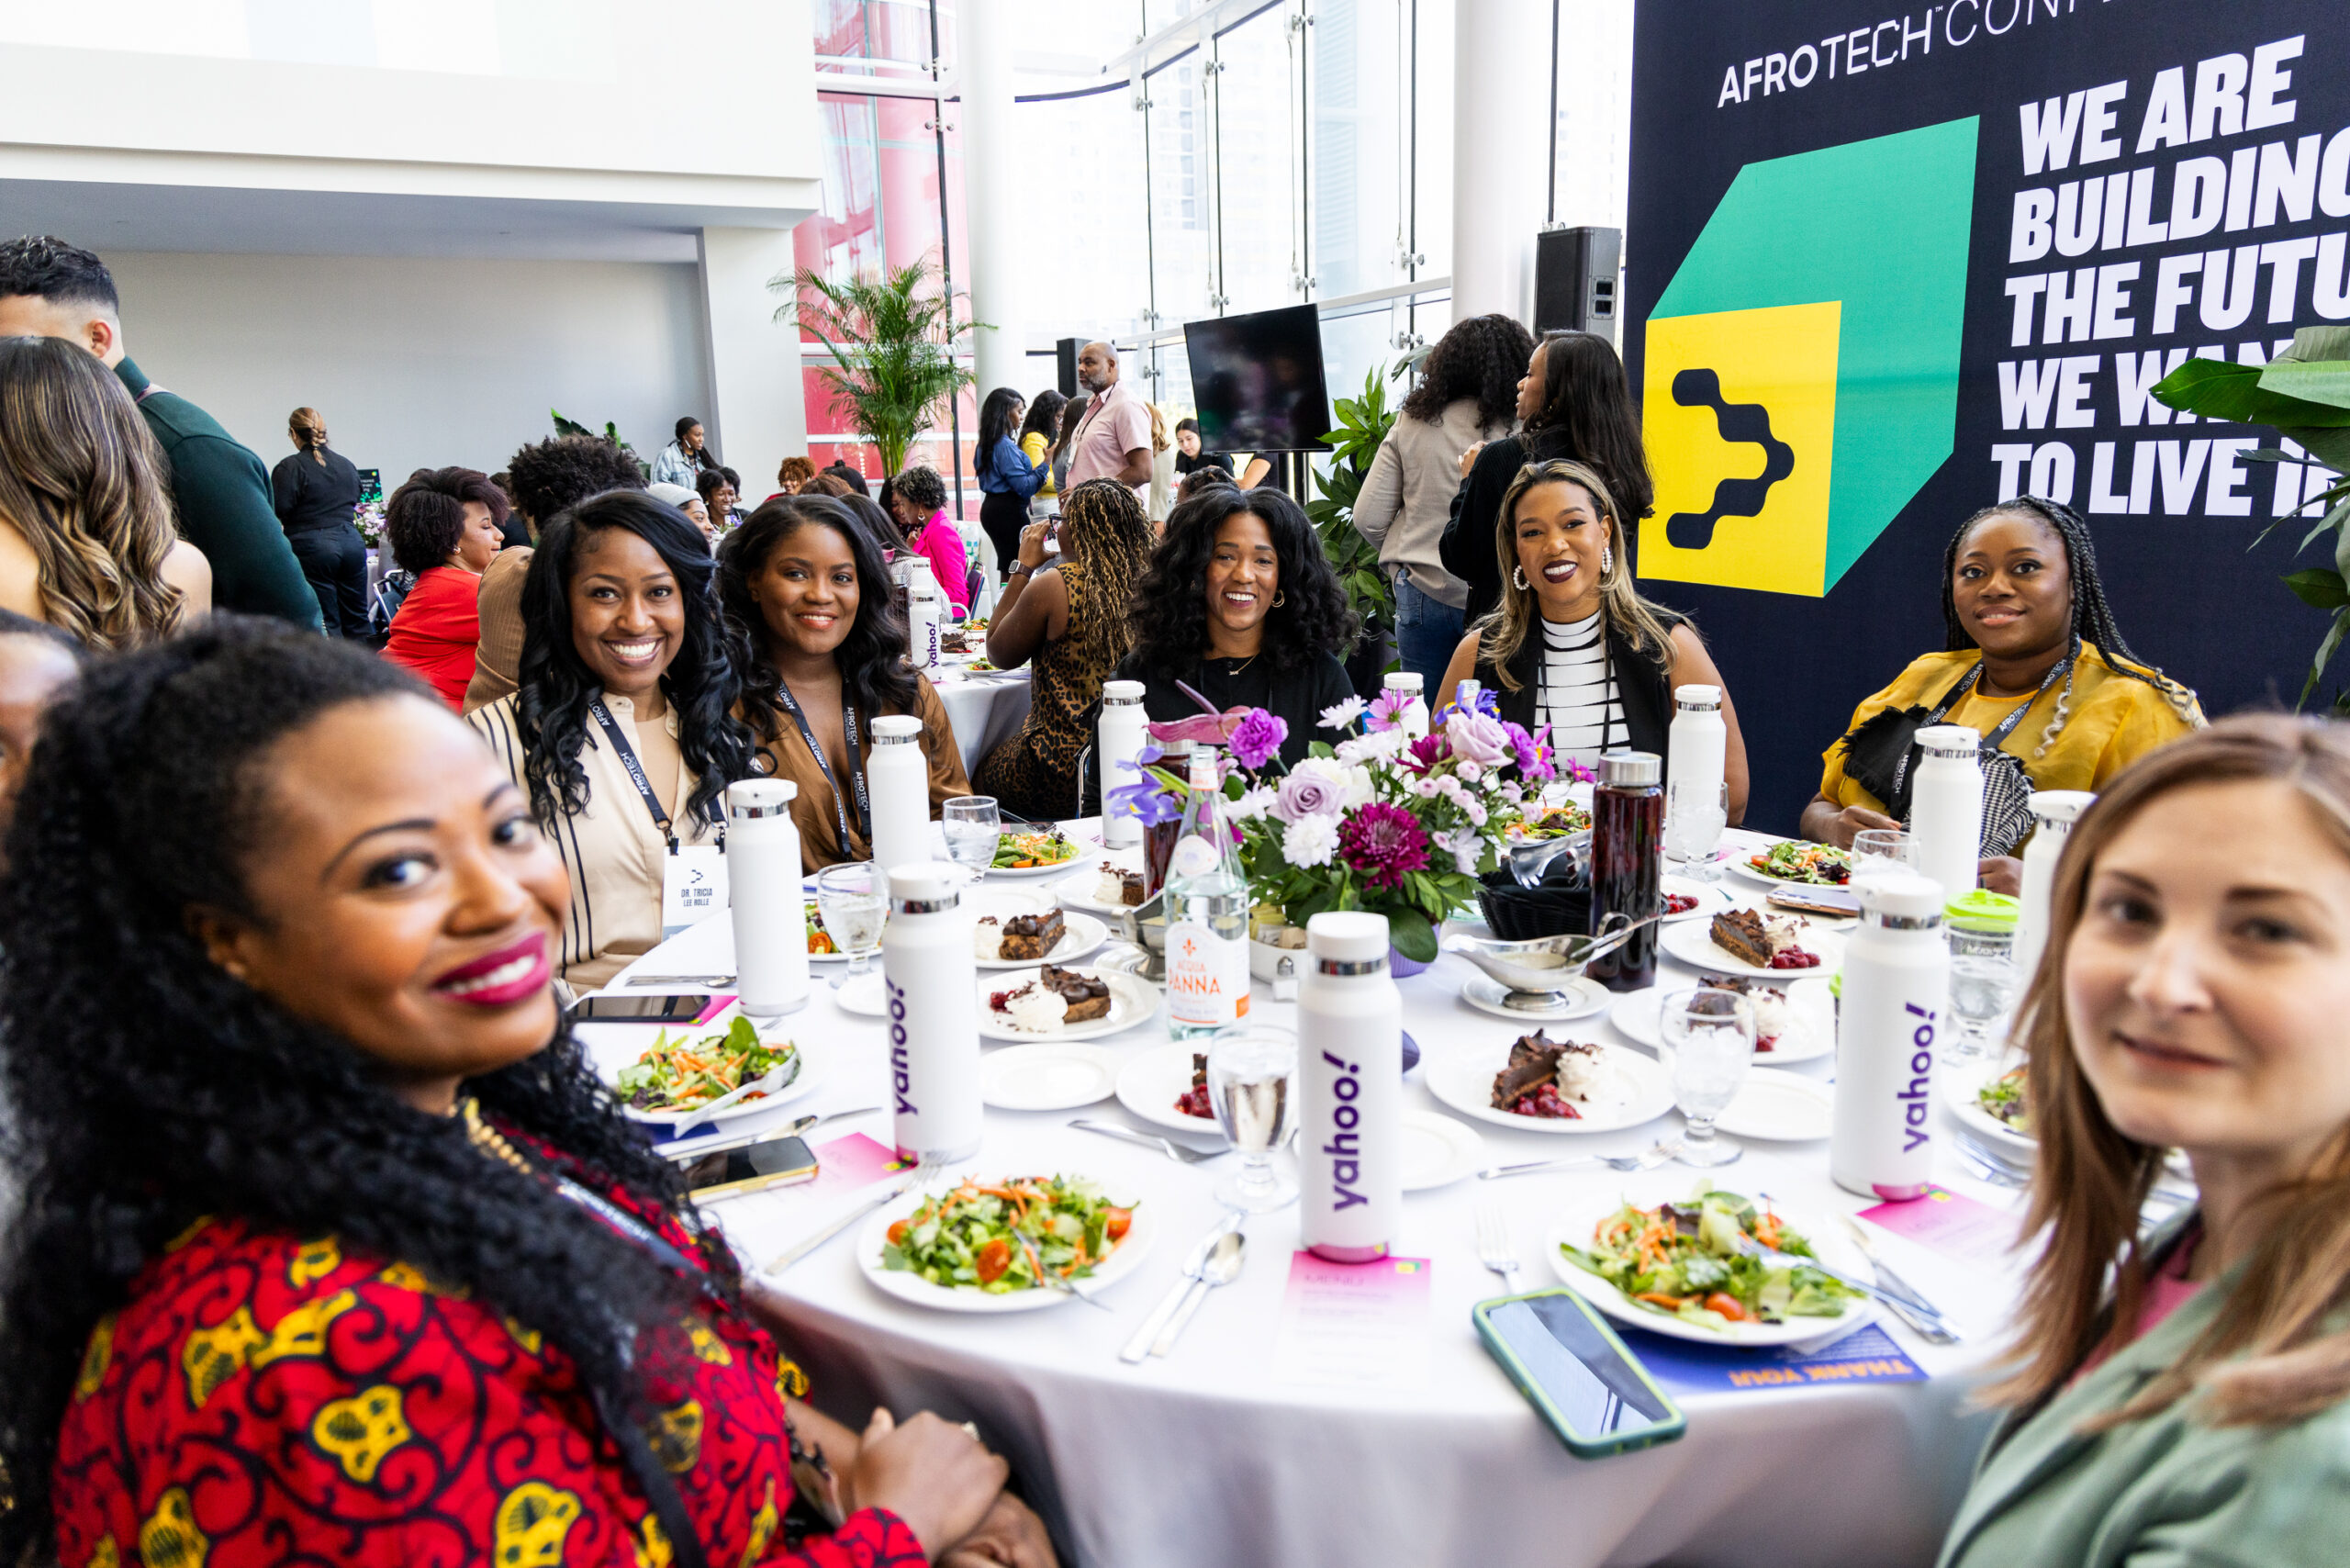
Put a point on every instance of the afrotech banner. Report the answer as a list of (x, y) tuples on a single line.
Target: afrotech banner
[(1886, 268)]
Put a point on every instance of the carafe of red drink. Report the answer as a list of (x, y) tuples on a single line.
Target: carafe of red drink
[(1628, 862), (1159, 839)]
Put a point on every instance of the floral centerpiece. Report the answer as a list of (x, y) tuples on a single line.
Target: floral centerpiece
[(1371, 819)]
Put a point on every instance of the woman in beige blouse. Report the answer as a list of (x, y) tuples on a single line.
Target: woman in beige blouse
[(624, 656)]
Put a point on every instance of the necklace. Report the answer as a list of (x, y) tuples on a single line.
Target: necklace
[(489, 1139), (1234, 666)]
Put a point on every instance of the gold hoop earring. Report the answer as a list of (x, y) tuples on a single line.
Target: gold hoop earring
[(1518, 576), (1281, 597)]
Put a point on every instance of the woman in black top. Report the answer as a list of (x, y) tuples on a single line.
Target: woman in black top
[(1240, 604), (1576, 406), (316, 490)]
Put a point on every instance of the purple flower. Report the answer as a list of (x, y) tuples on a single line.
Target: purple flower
[(1533, 757), (1259, 738), (1475, 737), (1146, 798), (1428, 750), (1309, 792), (1387, 708), (1383, 842)]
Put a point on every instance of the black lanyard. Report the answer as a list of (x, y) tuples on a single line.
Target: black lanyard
[(636, 768), (1967, 683), (857, 763)]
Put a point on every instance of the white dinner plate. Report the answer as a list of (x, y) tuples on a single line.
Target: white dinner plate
[(1581, 1215), (1712, 898), (864, 996), (1694, 945), (812, 1064), (1131, 1001), (1960, 1086), (1780, 1106), (1032, 873), (1437, 1151), (1813, 1005), (910, 1287), (1152, 1080), (1583, 999), (1741, 862), (1043, 1078), (1633, 1089), (1080, 934), (1077, 893)]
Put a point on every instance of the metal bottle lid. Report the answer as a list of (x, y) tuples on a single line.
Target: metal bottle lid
[(896, 728), (1121, 693), (754, 798), (1697, 698), (1630, 770), (1950, 741)]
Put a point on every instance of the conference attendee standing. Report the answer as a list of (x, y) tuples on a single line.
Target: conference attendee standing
[(1162, 469), (1576, 406), (1112, 439), (1240, 603), (543, 479), (220, 489), (1070, 621), (1009, 478), (1466, 394), (918, 501), (624, 732), (86, 521), (443, 525), (316, 490), (684, 457), (1038, 435)]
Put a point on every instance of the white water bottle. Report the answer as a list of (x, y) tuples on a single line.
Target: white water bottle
[(926, 608), (1207, 913), (1414, 720), (770, 918), (1696, 750), (897, 778), (2053, 813), (1350, 1089), (928, 978), (1890, 1022), (1119, 740), (1946, 807)]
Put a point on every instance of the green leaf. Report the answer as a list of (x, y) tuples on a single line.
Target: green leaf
[(2325, 651), (1409, 933), (2326, 383), (2319, 588), (2235, 394), (2314, 344), (2330, 447)]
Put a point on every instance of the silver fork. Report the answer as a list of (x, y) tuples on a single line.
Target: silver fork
[(1925, 1319), (1936, 1330), (1646, 1159), (1494, 1250), (1165, 1145)]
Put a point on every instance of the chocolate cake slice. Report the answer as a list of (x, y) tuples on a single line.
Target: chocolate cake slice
[(1533, 1062), (1741, 934), (1087, 997), (1033, 936)]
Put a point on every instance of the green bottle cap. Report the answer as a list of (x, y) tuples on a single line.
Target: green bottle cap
[(1984, 910)]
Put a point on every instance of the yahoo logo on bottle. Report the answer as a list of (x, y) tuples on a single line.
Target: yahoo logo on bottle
[(900, 1074), (1345, 1147), (1919, 1095)]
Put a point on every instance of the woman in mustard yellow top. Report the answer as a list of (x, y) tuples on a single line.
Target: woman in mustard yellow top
[(2029, 629)]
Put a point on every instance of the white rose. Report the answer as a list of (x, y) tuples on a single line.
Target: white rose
[(1310, 841)]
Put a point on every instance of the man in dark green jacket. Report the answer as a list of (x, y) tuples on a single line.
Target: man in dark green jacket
[(52, 289)]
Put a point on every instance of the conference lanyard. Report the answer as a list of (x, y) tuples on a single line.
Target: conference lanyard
[(857, 763), (1967, 683), (636, 768)]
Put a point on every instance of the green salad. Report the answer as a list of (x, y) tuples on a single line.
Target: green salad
[(1820, 864), (1682, 1260), (1018, 851), (1006, 1236), (685, 1074), (2003, 1098)]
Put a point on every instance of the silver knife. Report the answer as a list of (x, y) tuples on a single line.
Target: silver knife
[(1139, 1348), (793, 1254)]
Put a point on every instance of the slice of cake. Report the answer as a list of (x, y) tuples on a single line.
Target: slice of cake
[(1030, 1008), (1118, 887), (1030, 936), (1194, 1102), (1546, 1076), (1087, 997), (1764, 941), (1773, 1017)]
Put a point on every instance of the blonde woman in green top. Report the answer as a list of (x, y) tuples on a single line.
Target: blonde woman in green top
[(2180, 1398)]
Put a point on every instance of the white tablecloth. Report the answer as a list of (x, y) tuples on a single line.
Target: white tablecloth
[(984, 710), (1206, 1456)]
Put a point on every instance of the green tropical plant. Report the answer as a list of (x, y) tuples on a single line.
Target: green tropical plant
[(611, 434), (893, 338), (2305, 394), (1363, 423)]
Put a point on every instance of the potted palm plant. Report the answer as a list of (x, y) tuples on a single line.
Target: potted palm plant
[(893, 338), (1363, 423)]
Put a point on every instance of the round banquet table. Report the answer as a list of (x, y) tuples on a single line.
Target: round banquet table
[(1207, 1456), (984, 709)]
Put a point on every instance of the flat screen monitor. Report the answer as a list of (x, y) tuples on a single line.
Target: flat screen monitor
[(1257, 382)]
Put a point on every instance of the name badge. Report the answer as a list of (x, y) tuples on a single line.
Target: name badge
[(693, 886)]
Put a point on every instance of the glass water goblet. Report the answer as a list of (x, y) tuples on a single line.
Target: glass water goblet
[(973, 823), (1880, 849), (853, 899), (1252, 1083), (1711, 1035), (1692, 830)]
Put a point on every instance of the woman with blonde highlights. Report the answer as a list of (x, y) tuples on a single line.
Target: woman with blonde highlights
[(2179, 1396), (87, 540)]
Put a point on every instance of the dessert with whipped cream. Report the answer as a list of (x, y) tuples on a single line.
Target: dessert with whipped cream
[(1548, 1078), (1773, 1015), (1762, 941), (1031, 936), (987, 939), (1118, 887), (1030, 1008)]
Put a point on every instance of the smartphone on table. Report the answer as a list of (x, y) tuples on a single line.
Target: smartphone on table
[(748, 1167), (1573, 1369), (621, 1007)]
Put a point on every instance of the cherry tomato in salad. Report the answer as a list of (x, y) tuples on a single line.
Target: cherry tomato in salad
[(1726, 1305), (994, 1258), (898, 1233), (1117, 1222)]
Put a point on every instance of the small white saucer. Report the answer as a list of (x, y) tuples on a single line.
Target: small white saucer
[(1583, 999)]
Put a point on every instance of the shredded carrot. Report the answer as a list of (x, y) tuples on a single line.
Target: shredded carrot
[(1660, 1299)]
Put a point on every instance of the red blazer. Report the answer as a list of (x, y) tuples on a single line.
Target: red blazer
[(261, 1399), (437, 629)]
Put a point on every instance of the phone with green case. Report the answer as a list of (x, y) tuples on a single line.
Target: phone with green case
[(1571, 1368)]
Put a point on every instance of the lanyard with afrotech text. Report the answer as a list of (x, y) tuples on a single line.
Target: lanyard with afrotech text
[(855, 762), (1970, 681), (612, 731)]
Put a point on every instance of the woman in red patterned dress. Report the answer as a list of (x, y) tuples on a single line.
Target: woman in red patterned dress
[(331, 1249)]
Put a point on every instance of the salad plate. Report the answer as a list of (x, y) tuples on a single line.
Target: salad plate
[(700, 1064), (1131, 1001), (972, 1226), (1694, 945), (1437, 1151), (1793, 861), (1153, 1080), (1810, 1031), (1837, 1309), (1027, 854), (1043, 1078), (830, 952), (1630, 1088), (1964, 1090)]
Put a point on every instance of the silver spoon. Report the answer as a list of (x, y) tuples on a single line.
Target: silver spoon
[(1222, 1268)]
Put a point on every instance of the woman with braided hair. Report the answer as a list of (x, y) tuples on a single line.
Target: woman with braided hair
[(1072, 618), (2032, 659)]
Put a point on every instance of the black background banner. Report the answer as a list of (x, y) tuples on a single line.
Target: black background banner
[(1709, 97)]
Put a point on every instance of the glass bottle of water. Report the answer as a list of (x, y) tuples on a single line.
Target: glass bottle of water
[(1207, 913)]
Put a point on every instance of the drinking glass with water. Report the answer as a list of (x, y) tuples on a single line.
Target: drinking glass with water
[(852, 898), (1984, 980), (1695, 819), (1711, 1036), (1252, 1083), (973, 823)]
